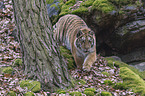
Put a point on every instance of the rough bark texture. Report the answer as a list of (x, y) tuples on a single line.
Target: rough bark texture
[(41, 57)]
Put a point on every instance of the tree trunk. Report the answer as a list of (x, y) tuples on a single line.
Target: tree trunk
[(41, 56)]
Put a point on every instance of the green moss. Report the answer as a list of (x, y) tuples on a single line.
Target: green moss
[(119, 86), (110, 63), (8, 70), (103, 5), (70, 2), (49, 1), (81, 82), (68, 56), (105, 93), (63, 13), (54, 5), (139, 89), (29, 94), (1, 69), (120, 64), (90, 89), (33, 86), (87, 3), (81, 10), (62, 92), (11, 93), (89, 93), (17, 62), (108, 82), (75, 93), (106, 73), (143, 93), (132, 80), (65, 9)]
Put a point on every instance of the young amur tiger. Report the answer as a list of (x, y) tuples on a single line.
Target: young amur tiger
[(73, 32)]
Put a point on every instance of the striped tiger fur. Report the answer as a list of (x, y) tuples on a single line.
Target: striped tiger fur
[(73, 32)]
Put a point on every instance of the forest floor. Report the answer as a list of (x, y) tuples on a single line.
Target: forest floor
[(10, 50)]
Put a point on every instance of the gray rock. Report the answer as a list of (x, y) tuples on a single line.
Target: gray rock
[(137, 55), (140, 66), (129, 37), (53, 11), (116, 58)]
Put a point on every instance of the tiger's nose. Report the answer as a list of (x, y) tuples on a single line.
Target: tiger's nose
[(87, 47)]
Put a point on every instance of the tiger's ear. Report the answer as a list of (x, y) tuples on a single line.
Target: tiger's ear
[(79, 33)]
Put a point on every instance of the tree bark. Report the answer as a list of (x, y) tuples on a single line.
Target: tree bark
[(41, 57)]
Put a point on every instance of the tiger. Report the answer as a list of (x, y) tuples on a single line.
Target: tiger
[(73, 32)]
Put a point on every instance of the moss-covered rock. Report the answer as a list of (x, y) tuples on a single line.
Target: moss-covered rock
[(33, 86), (132, 80), (11, 93), (75, 7), (87, 3), (108, 82), (89, 93), (70, 2), (1, 69), (103, 5), (75, 93), (65, 10), (81, 82), (17, 62), (29, 94), (143, 93), (112, 63), (68, 56), (62, 92), (90, 89), (120, 86), (106, 73), (8, 70), (81, 10), (105, 93)]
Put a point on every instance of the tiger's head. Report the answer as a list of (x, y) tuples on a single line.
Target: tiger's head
[(85, 40)]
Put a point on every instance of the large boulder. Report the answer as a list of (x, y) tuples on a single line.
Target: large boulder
[(129, 37)]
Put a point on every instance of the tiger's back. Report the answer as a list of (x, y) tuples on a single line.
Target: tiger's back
[(73, 32)]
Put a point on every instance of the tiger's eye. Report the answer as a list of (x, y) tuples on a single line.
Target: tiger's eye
[(83, 38)]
